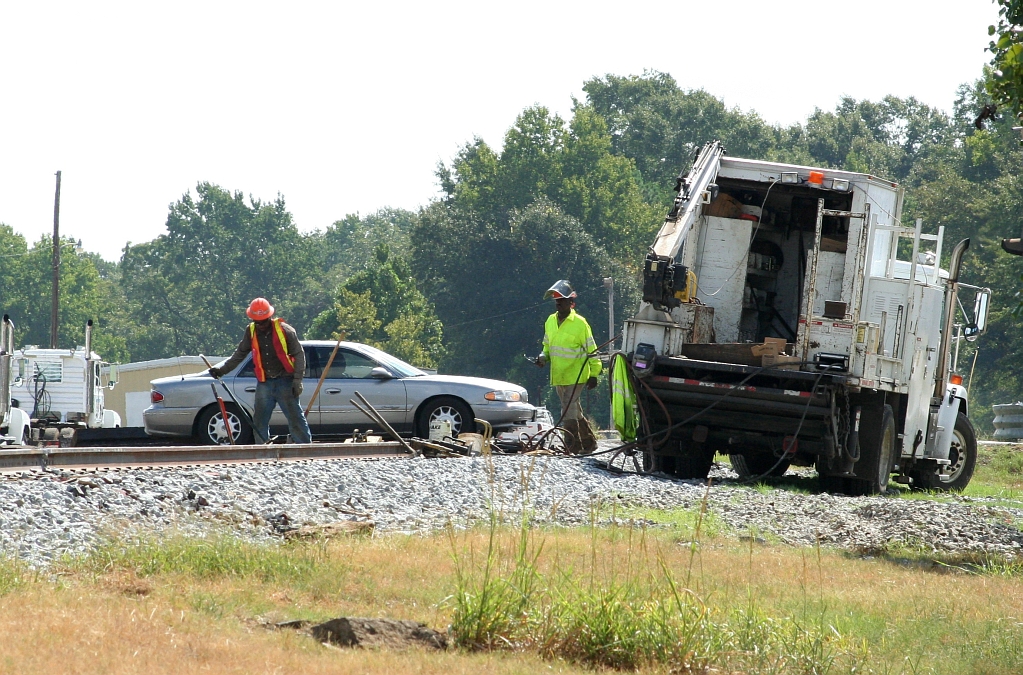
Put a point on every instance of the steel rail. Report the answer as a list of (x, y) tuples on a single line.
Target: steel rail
[(27, 459)]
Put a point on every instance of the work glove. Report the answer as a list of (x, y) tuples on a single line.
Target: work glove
[(216, 372), (591, 383), (541, 360), (296, 388)]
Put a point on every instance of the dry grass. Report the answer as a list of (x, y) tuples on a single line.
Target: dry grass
[(110, 615)]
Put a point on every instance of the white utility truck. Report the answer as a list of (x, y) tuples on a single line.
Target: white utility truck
[(60, 389), (789, 318)]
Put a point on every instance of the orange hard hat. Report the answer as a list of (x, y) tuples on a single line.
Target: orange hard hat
[(260, 309)]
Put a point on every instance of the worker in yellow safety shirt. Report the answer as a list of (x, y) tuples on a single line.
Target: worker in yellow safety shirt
[(569, 347)]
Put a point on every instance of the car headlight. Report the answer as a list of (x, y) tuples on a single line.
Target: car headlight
[(506, 395)]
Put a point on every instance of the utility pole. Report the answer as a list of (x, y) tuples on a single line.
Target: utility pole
[(609, 284), (56, 266)]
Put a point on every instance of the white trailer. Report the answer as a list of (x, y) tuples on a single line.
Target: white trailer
[(789, 317)]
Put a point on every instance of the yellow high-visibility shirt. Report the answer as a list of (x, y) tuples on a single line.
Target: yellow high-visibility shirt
[(566, 348)]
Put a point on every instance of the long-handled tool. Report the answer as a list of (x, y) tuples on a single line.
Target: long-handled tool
[(323, 375), (374, 415), (243, 409), (223, 414)]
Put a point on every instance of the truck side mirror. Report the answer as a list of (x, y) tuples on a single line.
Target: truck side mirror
[(111, 375), (971, 331), (1013, 246), (980, 310)]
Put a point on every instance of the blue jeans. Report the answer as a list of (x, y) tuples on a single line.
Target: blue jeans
[(268, 395)]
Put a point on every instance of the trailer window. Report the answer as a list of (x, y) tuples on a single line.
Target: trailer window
[(49, 371)]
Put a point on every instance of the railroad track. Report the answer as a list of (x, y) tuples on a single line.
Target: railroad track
[(40, 459)]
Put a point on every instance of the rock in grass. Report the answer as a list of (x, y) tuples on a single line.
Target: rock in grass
[(378, 634), (343, 528)]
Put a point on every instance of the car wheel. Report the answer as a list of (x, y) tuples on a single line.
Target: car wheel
[(211, 430), (445, 408)]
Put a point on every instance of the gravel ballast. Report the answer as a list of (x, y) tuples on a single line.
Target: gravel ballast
[(44, 516)]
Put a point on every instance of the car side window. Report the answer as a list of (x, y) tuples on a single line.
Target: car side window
[(312, 369), (248, 370), (348, 364)]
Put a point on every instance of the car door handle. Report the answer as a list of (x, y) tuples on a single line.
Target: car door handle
[(251, 390), (333, 391)]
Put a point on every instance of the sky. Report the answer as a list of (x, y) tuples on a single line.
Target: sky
[(347, 107)]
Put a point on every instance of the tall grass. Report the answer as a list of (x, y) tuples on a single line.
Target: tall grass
[(13, 574), (633, 611), (212, 558)]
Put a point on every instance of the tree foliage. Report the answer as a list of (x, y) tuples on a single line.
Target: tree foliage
[(188, 288), (26, 285), (488, 281), (1006, 82), (383, 306)]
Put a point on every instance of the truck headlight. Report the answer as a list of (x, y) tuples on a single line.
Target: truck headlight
[(506, 395)]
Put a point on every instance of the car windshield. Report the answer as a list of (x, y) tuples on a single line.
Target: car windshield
[(393, 364)]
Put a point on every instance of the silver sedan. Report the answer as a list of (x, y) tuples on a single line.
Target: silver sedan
[(409, 399)]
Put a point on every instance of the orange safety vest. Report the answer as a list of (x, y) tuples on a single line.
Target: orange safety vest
[(280, 347)]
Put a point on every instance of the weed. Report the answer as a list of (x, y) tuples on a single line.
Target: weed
[(13, 574)]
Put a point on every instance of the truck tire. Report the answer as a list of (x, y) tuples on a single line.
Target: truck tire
[(209, 427), (658, 464), (877, 450), (758, 465), (963, 456), (693, 461)]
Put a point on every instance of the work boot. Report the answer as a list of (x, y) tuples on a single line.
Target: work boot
[(572, 444), (586, 438)]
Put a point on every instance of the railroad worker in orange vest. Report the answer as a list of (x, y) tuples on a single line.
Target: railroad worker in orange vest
[(567, 345), (279, 363)]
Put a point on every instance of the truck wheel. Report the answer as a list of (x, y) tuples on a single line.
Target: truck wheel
[(694, 461), (877, 451), (751, 466), (658, 463), (963, 456), (210, 427)]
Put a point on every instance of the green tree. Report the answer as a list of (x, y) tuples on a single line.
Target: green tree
[(27, 291), (660, 126), (345, 248), (487, 282), (1006, 83), (572, 166), (187, 289), (383, 306)]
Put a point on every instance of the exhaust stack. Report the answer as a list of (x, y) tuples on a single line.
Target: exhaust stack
[(6, 356), (90, 376), (951, 294)]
